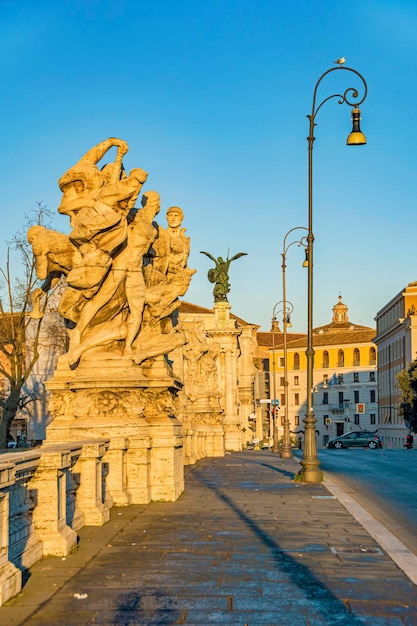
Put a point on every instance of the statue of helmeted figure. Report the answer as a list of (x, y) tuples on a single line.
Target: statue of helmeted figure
[(115, 299), (220, 275)]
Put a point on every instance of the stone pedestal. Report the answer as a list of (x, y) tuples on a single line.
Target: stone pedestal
[(226, 334), (203, 430), (136, 409)]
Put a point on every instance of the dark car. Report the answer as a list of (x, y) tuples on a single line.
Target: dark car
[(356, 439)]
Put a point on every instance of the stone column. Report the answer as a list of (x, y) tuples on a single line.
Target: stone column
[(166, 461), (116, 476), (138, 468), (48, 490), (90, 491), (232, 435)]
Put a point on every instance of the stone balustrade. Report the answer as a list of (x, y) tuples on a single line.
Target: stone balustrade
[(46, 495)]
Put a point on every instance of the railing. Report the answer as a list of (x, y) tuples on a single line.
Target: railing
[(46, 495)]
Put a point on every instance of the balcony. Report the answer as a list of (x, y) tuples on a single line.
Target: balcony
[(337, 409)]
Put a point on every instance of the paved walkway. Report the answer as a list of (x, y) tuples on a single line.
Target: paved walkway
[(243, 545)]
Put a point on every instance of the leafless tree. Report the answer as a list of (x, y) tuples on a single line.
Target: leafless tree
[(19, 333)]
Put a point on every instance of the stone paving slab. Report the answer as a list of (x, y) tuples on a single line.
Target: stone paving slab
[(243, 545)]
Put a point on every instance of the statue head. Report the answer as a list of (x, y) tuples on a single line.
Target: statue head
[(151, 200), (175, 209)]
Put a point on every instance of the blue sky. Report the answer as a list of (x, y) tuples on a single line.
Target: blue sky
[(212, 99)]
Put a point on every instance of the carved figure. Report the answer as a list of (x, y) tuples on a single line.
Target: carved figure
[(208, 371), (202, 374), (121, 294), (220, 275)]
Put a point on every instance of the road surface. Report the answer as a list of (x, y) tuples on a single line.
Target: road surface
[(384, 482)]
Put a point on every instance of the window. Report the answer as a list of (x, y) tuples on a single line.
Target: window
[(372, 395), (372, 377), (356, 357), (325, 380), (281, 361), (325, 397), (297, 420), (296, 380), (267, 384), (340, 379), (372, 356), (356, 418), (373, 418), (282, 401), (282, 381), (296, 398), (325, 358), (282, 420), (355, 377), (356, 397), (341, 398), (340, 359), (325, 440), (325, 418), (296, 361)]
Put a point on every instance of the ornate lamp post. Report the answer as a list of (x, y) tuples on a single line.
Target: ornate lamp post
[(275, 445), (286, 310), (310, 462), (286, 450)]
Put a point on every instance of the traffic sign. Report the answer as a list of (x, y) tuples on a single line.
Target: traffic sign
[(275, 402)]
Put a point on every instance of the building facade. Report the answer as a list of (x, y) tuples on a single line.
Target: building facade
[(345, 391), (396, 340)]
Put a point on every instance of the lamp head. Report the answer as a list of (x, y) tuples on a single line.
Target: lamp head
[(288, 321), (356, 137), (305, 263)]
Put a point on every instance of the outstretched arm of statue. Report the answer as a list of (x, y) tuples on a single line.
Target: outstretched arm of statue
[(96, 153)]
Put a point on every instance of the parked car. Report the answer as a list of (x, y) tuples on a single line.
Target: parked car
[(356, 439)]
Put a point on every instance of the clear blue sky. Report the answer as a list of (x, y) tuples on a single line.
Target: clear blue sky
[(212, 99)]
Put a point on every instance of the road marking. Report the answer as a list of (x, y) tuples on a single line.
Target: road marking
[(399, 553)]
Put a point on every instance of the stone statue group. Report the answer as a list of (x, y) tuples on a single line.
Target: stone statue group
[(123, 273)]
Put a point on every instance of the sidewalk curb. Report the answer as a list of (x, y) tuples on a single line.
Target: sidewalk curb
[(399, 553)]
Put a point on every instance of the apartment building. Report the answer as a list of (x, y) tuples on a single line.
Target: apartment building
[(345, 386), (396, 340)]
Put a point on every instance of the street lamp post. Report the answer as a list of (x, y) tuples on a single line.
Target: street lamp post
[(275, 445), (286, 451), (310, 464)]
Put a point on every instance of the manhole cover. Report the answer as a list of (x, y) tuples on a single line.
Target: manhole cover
[(355, 550)]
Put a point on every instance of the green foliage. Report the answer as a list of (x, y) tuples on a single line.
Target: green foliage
[(407, 382)]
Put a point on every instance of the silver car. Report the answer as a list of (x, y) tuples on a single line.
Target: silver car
[(356, 439)]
